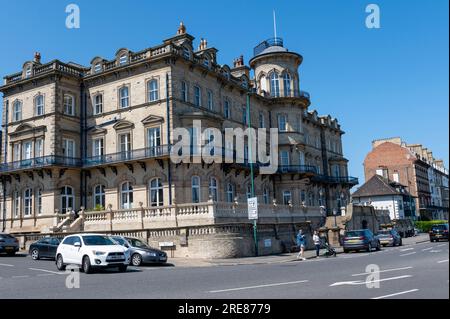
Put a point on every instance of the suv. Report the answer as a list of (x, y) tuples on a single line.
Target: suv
[(140, 252), (8, 244), (91, 251), (438, 232), (359, 240)]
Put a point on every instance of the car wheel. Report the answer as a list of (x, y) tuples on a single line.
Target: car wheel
[(346, 251), (369, 248), (60, 263), (378, 246), (35, 254), (87, 268), (122, 268), (136, 260), (400, 243)]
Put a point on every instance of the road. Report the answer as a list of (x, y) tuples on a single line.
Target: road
[(414, 271)]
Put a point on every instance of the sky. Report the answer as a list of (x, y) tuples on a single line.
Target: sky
[(386, 82)]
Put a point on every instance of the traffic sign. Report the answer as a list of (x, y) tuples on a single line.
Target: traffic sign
[(252, 208)]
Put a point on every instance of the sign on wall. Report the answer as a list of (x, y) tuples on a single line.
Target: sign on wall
[(252, 208)]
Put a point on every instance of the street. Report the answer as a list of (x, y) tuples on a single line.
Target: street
[(416, 270)]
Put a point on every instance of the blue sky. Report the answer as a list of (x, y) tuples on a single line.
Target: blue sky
[(385, 82)]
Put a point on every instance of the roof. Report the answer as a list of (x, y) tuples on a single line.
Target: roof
[(379, 186)]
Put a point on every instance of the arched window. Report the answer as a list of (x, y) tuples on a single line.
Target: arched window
[(97, 68), (274, 85), (230, 193), (153, 94), (67, 199), (124, 96), (213, 189), (123, 59), (17, 111), (195, 186), (287, 84), (156, 192), (99, 197), (28, 201), (69, 104), (126, 195), (39, 105)]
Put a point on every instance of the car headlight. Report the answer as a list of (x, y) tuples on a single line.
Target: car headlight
[(152, 254), (98, 253)]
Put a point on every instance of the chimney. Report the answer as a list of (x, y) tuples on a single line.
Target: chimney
[(37, 57), (181, 29), (203, 44)]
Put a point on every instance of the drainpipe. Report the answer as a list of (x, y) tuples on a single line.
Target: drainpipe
[(169, 172), (83, 145), (5, 161)]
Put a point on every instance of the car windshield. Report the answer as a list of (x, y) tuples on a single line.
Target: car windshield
[(137, 243), (384, 232), (354, 234), (439, 227), (5, 236), (97, 241), (119, 240)]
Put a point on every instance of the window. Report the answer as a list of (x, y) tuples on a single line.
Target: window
[(396, 178), (98, 104), (274, 85), (125, 145), (126, 195), (16, 204), (266, 196), (282, 122), (156, 192), (197, 96), (69, 104), (97, 147), (261, 120), (123, 59), (67, 199), (210, 141), (124, 97), (284, 158), (17, 111), (335, 170), (302, 197), (27, 149), (244, 116), (287, 197), (230, 193), (206, 62), (153, 90), (195, 186), (287, 84), (68, 148), (28, 72), (39, 201), (301, 156), (153, 140), (98, 68), (39, 105), (186, 53), (213, 189), (16, 152), (226, 109), (311, 199), (210, 101), (184, 91)]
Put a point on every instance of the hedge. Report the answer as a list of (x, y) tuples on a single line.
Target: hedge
[(425, 226)]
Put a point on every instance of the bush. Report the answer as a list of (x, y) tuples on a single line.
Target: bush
[(425, 226), (99, 208)]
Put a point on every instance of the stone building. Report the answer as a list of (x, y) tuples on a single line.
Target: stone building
[(98, 139)]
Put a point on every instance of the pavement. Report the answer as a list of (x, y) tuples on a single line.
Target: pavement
[(419, 269)]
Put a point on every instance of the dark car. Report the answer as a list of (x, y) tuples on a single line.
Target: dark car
[(8, 244), (362, 239), (389, 237), (140, 252), (44, 248), (439, 232)]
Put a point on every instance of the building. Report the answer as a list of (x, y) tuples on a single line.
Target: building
[(99, 139), (415, 167), (383, 194)]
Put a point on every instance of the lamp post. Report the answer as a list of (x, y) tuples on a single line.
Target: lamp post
[(335, 213)]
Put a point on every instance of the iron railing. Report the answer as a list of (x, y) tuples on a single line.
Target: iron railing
[(337, 179), (297, 169), (266, 44), (40, 162)]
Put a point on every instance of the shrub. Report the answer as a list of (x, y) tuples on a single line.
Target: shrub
[(425, 226), (99, 208)]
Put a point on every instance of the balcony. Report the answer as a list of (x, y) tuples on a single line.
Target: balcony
[(40, 162), (297, 169), (337, 179)]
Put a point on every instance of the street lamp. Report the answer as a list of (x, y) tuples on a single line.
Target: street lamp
[(335, 213)]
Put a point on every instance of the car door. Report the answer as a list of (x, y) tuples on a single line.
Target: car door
[(52, 247), (68, 249), (76, 251), (43, 247)]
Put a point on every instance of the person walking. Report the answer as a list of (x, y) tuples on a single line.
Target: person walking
[(301, 243), (317, 242)]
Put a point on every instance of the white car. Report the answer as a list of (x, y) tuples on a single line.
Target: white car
[(91, 251)]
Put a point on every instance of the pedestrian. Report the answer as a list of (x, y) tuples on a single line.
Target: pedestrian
[(301, 242), (317, 242)]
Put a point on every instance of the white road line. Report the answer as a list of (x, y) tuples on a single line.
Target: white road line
[(42, 275), (386, 270), (396, 294), (435, 251), (408, 254), (260, 286), (406, 249), (363, 282), (7, 265), (429, 248), (443, 261), (26, 276), (49, 271), (441, 245)]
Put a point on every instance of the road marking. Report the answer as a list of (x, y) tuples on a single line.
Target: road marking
[(363, 282), (49, 271), (396, 294), (260, 286), (443, 261), (7, 265), (406, 249), (408, 254), (441, 245), (20, 276), (42, 275), (429, 248), (386, 270), (435, 251)]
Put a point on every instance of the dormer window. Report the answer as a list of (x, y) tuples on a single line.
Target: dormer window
[(98, 68), (206, 63), (28, 72), (123, 59)]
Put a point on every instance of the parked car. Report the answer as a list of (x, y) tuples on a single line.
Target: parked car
[(44, 248), (8, 244), (362, 239), (90, 251), (140, 252), (389, 237), (439, 232)]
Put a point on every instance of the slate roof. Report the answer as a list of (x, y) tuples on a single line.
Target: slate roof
[(380, 186)]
